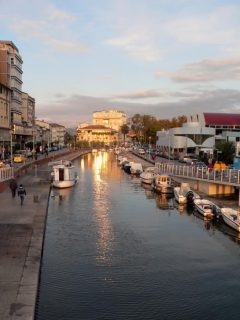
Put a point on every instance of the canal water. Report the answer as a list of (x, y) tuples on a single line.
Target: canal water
[(115, 250)]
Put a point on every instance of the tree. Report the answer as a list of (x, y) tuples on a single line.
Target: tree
[(124, 131), (226, 151)]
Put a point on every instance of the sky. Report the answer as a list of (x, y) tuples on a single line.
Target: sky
[(158, 57)]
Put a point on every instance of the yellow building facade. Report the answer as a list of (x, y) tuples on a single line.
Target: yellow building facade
[(98, 134), (113, 119)]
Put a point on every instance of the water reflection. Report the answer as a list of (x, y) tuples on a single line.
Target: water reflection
[(101, 208), (164, 201), (210, 225), (114, 258), (148, 191), (61, 194)]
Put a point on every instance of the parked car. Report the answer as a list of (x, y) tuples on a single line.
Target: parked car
[(201, 166), (141, 151), (190, 161), (19, 158)]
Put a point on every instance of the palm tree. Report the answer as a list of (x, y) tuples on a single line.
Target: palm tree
[(124, 131)]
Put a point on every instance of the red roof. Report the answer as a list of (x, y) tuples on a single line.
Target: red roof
[(96, 127), (222, 119)]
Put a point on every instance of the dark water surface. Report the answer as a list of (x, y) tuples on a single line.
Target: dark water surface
[(114, 250)]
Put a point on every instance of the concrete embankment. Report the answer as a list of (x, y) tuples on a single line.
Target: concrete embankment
[(21, 239)]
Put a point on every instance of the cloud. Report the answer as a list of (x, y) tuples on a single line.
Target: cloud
[(57, 14), (206, 70), (137, 46), (140, 94), (214, 27), (52, 28), (79, 108)]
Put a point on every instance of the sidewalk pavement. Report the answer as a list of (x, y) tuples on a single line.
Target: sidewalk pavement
[(21, 238)]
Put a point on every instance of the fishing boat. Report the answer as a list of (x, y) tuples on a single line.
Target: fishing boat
[(64, 174), (184, 194), (162, 183), (207, 208), (231, 218)]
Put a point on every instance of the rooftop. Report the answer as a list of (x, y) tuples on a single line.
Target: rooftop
[(222, 119)]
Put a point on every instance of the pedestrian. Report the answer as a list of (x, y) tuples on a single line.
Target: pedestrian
[(21, 193), (13, 186), (216, 167)]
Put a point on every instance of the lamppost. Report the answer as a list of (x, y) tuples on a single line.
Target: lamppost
[(149, 146), (168, 145)]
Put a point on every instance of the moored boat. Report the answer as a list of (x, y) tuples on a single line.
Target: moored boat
[(162, 183), (207, 208), (184, 194), (136, 168), (64, 174), (148, 175), (231, 218)]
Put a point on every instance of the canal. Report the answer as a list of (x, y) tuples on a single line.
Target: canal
[(115, 250)]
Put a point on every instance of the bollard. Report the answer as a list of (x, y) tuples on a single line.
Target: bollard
[(35, 199)]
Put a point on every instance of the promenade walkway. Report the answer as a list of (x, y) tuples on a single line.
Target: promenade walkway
[(21, 238)]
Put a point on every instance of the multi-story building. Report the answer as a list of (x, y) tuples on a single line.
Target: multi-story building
[(201, 133), (28, 109), (110, 118), (98, 134), (5, 100), (21, 131), (5, 94), (58, 134), (42, 133), (14, 73)]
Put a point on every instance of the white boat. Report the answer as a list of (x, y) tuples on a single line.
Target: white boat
[(136, 168), (148, 175), (207, 208), (94, 150), (231, 217), (163, 183), (122, 160), (184, 194), (64, 174)]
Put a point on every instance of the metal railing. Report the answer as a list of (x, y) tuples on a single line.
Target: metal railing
[(228, 176), (6, 173)]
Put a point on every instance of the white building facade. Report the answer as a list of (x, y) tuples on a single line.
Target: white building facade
[(58, 134), (190, 138)]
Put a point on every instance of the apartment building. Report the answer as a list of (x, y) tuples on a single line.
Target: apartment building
[(12, 66), (58, 134), (42, 133), (28, 109), (22, 107)]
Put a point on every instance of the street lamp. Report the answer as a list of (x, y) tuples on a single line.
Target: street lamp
[(168, 145), (149, 146)]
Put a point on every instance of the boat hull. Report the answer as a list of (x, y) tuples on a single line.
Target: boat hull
[(231, 220), (64, 184)]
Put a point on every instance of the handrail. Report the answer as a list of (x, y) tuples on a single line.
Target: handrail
[(228, 176), (6, 173)]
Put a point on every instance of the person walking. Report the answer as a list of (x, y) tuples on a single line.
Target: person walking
[(13, 186), (21, 193)]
